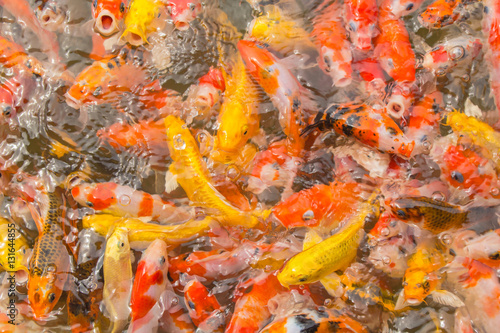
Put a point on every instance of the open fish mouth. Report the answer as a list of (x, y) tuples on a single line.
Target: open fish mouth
[(73, 102), (51, 18), (106, 23)]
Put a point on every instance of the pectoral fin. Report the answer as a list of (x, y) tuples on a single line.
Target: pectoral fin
[(333, 285), (447, 298), (401, 302), (170, 182), (312, 238)]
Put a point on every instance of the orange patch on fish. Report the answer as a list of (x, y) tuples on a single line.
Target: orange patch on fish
[(146, 205), (102, 196)]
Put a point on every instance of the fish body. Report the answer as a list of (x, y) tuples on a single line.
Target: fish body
[(108, 15), (50, 261), (190, 171), (202, 305), (291, 99), (118, 277), (321, 205), (150, 282), (331, 41), (18, 260), (334, 253), (372, 128), (143, 18), (440, 13), (238, 117), (399, 8), (491, 29), (361, 18), (438, 216), (424, 118), (14, 56), (125, 201), (104, 80), (183, 12)]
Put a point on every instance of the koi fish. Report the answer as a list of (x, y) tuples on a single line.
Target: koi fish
[(393, 49), (491, 29), (291, 99), (321, 205), (183, 12), (50, 13), (125, 201), (480, 288), (399, 8), (484, 248), (15, 261), (454, 52), (150, 282), (143, 18), (189, 170), (238, 117), (108, 15), (331, 40), (424, 118), (208, 92), (280, 32), (374, 129), (314, 321), (203, 307), (440, 13), (141, 232), (437, 216), (105, 80), (14, 93), (251, 310), (422, 279), (390, 255), (50, 262), (361, 17), (14, 56), (117, 270), (334, 253)]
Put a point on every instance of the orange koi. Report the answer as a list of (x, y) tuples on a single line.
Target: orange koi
[(393, 49), (251, 310), (491, 28), (440, 13), (14, 93), (150, 282), (202, 306), (399, 8), (361, 17), (122, 200), (321, 205), (108, 15), (14, 56), (183, 12), (331, 40), (105, 80), (291, 99), (366, 125), (424, 118), (50, 262)]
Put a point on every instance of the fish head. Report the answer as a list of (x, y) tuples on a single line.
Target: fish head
[(44, 290), (183, 12), (135, 34), (417, 286), (400, 8), (438, 14), (361, 22), (90, 86), (155, 257), (255, 56), (51, 15), (337, 64), (235, 127), (117, 245), (108, 15), (405, 209), (293, 276)]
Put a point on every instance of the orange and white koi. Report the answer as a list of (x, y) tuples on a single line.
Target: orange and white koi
[(251, 310), (361, 18), (480, 287), (122, 200), (108, 15), (484, 248), (424, 119), (150, 282), (203, 307), (491, 29), (105, 80), (366, 125), (292, 100), (399, 8), (454, 52), (189, 170), (14, 93), (331, 40), (322, 205), (207, 93), (14, 56), (183, 12), (51, 14)]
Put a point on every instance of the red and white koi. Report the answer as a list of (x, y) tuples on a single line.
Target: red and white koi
[(361, 18), (183, 12), (108, 15), (203, 307)]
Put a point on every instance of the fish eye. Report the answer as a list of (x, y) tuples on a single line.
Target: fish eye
[(52, 297), (425, 284), (457, 52), (169, 10), (244, 130), (7, 111), (97, 91), (122, 7), (440, 72), (353, 26), (410, 6), (95, 3), (457, 176), (435, 48), (122, 244), (308, 215), (191, 6), (401, 214), (162, 260)]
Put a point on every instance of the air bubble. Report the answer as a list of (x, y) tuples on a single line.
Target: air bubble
[(328, 302), (308, 215), (124, 200), (233, 172), (439, 196), (179, 143), (386, 260), (385, 232), (446, 239), (495, 191)]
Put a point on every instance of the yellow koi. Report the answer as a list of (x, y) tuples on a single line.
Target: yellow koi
[(189, 170), (12, 240), (332, 254), (118, 278), (142, 232), (143, 18)]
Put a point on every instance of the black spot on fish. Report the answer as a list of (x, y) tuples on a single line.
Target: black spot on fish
[(347, 130), (122, 7), (296, 104), (248, 290), (306, 325), (191, 305), (494, 256)]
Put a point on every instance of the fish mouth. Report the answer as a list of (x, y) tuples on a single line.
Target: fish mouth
[(51, 18), (413, 301), (73, 102), (396, 106), (181, 25), (106, 23), (135, 36)]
